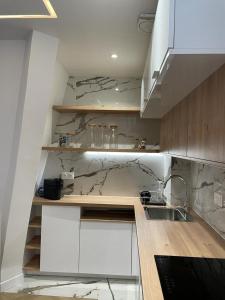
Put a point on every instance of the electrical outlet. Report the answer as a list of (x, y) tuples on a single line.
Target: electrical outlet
[(67, 175), (218, 199)]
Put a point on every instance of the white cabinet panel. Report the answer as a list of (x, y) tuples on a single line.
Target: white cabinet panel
[(135, 255), (186, 48), (162, 36), (105, 248), (200, 24), (60, 239)]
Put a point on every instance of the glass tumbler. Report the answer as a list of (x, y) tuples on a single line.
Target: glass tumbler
[(113, 136)]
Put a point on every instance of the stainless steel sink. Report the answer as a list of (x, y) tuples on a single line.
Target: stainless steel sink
[(172, 214)]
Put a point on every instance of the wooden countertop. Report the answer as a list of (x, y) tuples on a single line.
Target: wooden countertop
[(20, 296), (156, 237)]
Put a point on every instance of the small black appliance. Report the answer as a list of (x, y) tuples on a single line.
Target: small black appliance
[(53, 188), (145, 197), (151, 198)]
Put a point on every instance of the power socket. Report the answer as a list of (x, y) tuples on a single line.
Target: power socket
[(67, 175), (218, 199)]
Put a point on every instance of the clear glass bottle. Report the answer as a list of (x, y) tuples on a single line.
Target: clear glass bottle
[(113, 137), (103, 135), (92, 135), (98, 132)]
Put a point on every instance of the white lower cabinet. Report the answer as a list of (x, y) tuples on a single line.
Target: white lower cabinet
[(60, 239), (105, 248)]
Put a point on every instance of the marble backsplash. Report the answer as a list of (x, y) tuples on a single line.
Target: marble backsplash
[(203, 180), (103, 91), (130, 128), (105, 173), (97, 173)]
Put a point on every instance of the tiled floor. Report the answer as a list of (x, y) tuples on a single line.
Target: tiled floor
[(87, 288)]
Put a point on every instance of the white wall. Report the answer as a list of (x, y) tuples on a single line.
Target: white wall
[(36, 91), (12, 62), (59, 87)]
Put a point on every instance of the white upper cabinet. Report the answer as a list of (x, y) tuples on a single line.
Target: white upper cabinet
[(187, 45), (162, 37)]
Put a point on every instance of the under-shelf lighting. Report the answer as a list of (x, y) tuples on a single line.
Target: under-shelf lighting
[(101, 153), (52, 14)]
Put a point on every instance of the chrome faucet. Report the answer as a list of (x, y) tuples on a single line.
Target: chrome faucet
[(185, 206)]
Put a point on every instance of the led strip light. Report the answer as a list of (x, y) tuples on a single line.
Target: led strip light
[(52, 14)]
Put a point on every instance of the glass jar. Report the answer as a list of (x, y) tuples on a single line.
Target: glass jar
[(113, 136)]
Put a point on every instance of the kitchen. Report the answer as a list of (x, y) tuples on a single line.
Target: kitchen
[(113, 165)]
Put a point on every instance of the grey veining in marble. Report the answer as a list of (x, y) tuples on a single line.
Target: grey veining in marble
[(103, 90), (107, 173), (130, 128), (83, 288), (203, 181)]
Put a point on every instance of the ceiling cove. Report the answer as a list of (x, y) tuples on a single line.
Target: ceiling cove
[(51, 13)]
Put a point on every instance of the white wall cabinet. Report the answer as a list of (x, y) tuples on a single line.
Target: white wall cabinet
[(186, 47), (105, 248), (60, 239)]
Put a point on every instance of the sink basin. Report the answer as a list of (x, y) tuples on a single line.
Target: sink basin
[(171, 214)]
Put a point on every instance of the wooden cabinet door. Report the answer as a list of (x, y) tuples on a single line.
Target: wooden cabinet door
[(60, 239), (179, 129), (105, 248), (165, 133), (206, 130)]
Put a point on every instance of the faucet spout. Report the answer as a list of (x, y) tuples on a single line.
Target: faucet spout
[(185, 206)]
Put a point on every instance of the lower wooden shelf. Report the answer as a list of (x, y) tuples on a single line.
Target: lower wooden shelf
[(33, 265), (35, 222), (34, 243), (111, 215)]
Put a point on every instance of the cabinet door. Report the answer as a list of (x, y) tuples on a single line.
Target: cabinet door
[(162, 36), (179, 129), (105, 248), (60, 239), (135, 255), (206, 138), (165, 133)]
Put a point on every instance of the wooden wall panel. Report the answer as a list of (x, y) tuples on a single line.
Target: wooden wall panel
[(196, 126), (206, 114)]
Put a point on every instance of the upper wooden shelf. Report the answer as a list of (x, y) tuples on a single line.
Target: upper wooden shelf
[(91, 108), (71, 149)]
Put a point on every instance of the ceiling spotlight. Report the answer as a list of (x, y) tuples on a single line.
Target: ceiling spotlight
[(114, 56)]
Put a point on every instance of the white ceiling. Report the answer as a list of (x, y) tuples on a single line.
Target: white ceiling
[(89, 32)]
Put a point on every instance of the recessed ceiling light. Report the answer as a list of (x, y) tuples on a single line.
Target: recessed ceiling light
[(52, 14), (114, 56)]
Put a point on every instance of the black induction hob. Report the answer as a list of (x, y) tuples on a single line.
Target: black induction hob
[(191, 278)]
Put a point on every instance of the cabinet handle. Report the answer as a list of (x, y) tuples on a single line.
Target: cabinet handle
[(155, 75)]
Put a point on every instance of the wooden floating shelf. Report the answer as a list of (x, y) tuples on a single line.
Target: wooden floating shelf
[(34, 243), (95, 109), (33, 265), (35, 222), (71, 149)]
